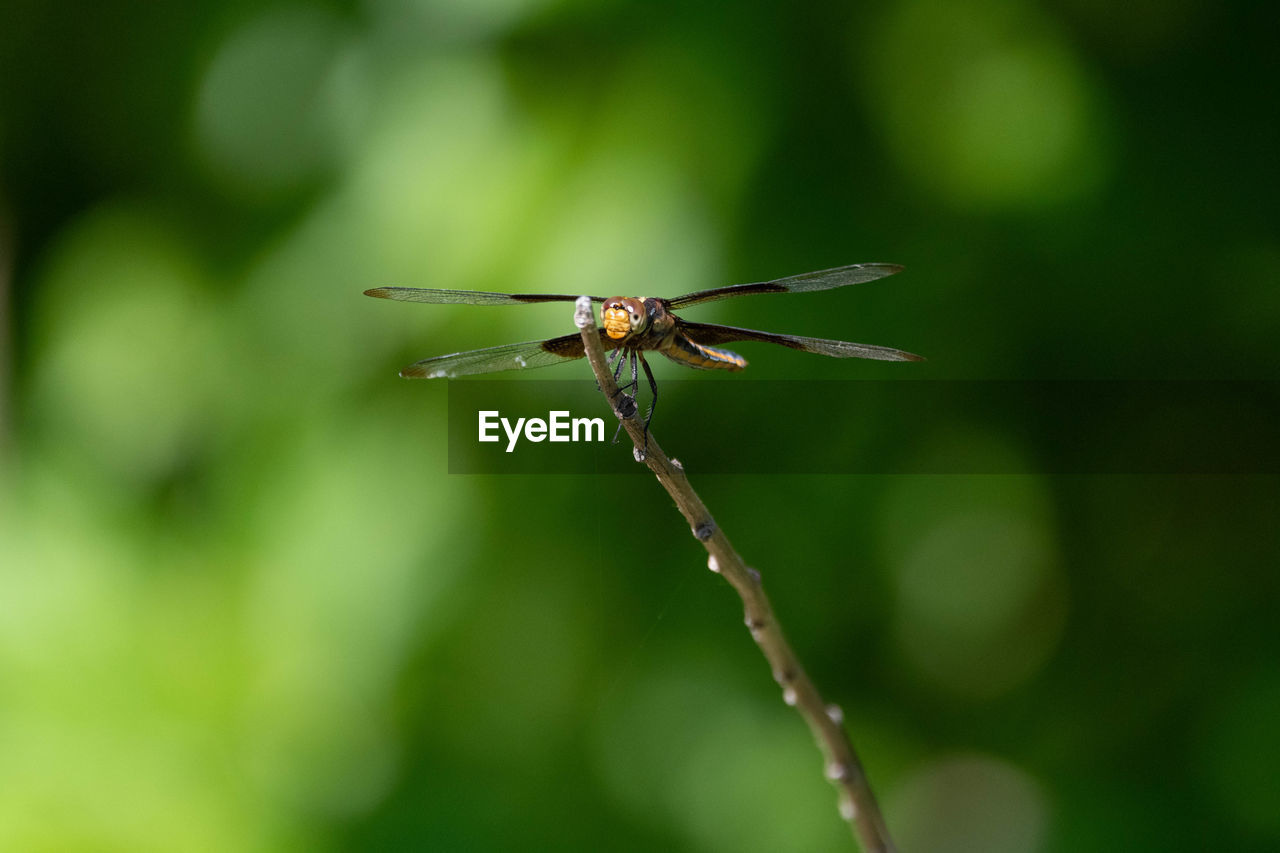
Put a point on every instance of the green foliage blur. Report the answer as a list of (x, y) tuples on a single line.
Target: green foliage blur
[(243, 605)]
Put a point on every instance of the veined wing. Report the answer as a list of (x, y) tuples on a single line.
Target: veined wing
[(711, 334), (507, 357), (468, 297), (803, 283)]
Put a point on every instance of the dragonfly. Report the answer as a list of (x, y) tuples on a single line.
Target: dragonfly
[(633, 325)]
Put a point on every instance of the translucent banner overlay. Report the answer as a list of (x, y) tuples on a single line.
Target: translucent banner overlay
[(742, 426)]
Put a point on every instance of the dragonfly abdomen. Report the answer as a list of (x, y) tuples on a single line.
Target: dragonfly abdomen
[(693, 354)]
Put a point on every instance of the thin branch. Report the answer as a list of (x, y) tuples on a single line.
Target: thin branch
[(843, 769)]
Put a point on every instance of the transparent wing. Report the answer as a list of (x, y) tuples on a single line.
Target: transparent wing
[(712, 334), (803, 283), (507, 357), (467, 297)]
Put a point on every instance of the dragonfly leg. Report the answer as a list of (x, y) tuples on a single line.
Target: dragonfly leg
[(617, 373), (608, 359), (653, 403), (627, 405)]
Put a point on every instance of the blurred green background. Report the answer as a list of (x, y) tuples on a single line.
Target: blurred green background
[(244, 607)]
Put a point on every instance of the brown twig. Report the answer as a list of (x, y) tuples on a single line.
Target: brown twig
[(843, 769)]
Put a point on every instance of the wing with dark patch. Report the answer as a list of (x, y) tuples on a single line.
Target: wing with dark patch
[(508, 357), (468, 297), (711, 334), (820, 280)]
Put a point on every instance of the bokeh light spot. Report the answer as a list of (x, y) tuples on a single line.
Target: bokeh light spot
[(129, 336), (985, 106), (448, 21), (979, 603), (1241, 752), (730, 772), (277, 100), (969, 802), (625, 224)]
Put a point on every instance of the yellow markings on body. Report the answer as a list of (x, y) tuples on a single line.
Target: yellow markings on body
[(616, 322), (720, 357), (695, 354)]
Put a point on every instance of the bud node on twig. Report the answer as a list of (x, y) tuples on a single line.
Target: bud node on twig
[(848, 810)]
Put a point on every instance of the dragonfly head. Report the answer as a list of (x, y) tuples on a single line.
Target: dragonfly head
[(623, 316)]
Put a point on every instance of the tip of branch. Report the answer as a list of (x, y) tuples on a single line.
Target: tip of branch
[(583, 315)]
